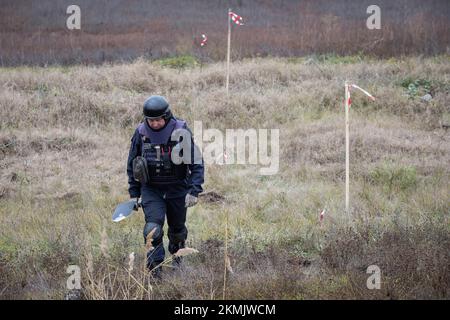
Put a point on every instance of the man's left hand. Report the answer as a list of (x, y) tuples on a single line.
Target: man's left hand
[(190, 200)]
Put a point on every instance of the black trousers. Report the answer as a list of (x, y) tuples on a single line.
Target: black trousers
[(156, 208)]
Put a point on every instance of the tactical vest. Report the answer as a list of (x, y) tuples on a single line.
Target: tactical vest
[(155, 166)]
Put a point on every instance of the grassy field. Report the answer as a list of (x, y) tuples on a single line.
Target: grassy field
[(64, 139)]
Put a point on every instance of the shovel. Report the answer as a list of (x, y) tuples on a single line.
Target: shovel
[(126, 209)]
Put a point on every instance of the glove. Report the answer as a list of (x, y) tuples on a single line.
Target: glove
[(137, 204), (190, 200)]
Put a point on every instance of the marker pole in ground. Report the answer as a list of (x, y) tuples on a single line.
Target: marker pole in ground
[(228, 50), (226, 213), (347, 149), (348, 102)]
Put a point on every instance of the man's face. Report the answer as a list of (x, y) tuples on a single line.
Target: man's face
[(157, 123)]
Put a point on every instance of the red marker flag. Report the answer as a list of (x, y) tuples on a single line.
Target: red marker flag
[(204, 41), (349, 98), (236, 18)]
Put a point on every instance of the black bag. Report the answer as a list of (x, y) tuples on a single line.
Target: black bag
[(140, 170)]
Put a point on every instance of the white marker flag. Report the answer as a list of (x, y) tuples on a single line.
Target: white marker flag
[(363, 91)]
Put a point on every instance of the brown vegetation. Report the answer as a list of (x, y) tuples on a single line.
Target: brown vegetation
[(126, 29), (64, 138)]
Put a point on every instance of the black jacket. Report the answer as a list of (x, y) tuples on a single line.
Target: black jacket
[(192, 184)]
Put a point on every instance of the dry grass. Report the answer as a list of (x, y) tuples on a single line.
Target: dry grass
[(64, 139)]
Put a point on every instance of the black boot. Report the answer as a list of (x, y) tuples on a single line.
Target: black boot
[(156, 271), (177, 263)]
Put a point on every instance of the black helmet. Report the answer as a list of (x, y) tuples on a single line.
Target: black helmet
[(156, 107)]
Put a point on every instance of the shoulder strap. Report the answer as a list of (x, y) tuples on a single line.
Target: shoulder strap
[(140, 130), (179, 124)]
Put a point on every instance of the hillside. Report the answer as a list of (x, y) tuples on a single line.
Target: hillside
[(64, 140)]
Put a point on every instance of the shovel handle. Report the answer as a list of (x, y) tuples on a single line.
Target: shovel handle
[(137, 204)]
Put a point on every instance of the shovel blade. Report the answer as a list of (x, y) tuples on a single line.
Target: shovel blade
[(124, 210)]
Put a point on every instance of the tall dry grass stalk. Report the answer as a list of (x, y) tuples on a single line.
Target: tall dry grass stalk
[(185, 252), (226, 258), (131, 258), (104, 244), (149, 240), (228, 264)]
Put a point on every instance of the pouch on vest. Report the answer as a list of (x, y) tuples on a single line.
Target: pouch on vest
[(161, 170), (140, 171)]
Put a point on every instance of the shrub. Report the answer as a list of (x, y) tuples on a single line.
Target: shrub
[(179, 62), (394, 178)]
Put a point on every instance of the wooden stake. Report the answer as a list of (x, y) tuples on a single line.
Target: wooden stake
[(228, 51), (347, 150), (226, 211)]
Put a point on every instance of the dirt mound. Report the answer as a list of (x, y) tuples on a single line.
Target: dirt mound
[(18, 145), (211, 197)]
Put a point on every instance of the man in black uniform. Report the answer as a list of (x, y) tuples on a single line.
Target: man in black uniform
[(167, 177)]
